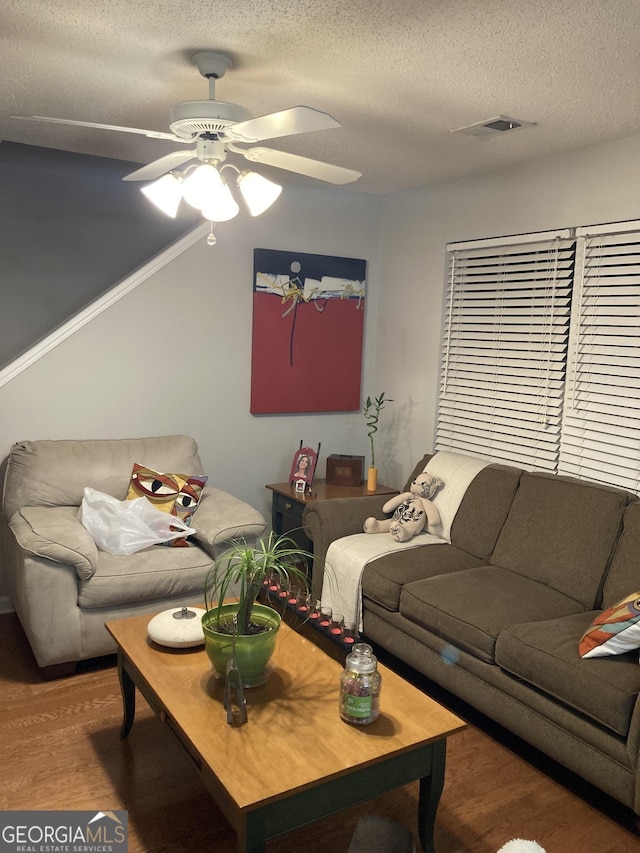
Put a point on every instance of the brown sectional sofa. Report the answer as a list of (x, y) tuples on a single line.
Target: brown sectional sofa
[(495, 617)]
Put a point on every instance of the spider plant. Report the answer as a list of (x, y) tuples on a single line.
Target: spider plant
[(238, 577)]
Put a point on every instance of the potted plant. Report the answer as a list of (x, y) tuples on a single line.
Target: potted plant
[(235, 624), (371, 411)]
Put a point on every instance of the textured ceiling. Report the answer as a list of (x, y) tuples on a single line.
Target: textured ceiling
[(398, 74)]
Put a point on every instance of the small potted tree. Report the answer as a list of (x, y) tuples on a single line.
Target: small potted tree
[(371, 411), (235, 624)]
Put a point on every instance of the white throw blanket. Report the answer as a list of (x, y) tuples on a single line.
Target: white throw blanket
[(456, 471), (347, 557), (345, 563)]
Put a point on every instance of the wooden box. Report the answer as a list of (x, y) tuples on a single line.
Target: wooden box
[(343, 470)]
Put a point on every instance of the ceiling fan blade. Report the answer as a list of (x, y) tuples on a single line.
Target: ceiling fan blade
[(152, 134), (284, 123), (159, 167), (302, 165)]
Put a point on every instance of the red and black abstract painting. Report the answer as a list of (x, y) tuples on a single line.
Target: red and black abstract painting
[(308, 328)]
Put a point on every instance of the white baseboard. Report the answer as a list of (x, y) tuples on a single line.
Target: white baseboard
[(5, 604)]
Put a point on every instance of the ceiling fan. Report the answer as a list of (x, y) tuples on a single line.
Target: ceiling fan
[(217, 127)]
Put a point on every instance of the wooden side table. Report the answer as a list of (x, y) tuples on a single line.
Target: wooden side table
[(288, 505)]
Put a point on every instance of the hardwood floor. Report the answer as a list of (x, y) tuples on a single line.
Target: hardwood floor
[(60, 749)]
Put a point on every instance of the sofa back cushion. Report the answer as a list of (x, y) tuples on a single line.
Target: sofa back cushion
[(420, 467), (623, 577), (484, 508), (54, 473), (561, 531)]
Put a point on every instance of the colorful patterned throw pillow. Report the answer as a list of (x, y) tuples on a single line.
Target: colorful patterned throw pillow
[(614, 631), (177, 494), (189, 497)]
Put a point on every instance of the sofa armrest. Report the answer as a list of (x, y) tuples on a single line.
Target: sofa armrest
[(325, 521), (56, 533), (221, 517)]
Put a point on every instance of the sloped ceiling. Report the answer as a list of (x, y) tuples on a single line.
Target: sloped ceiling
[(398, 74)]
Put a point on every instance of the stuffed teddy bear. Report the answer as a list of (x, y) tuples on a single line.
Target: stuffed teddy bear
[(412, 511)]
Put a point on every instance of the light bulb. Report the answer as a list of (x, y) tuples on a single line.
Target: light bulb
[(258, 192), (165, 193), (220, 205), (201, 185)]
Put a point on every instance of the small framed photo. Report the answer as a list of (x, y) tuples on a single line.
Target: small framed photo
[(303, 467)]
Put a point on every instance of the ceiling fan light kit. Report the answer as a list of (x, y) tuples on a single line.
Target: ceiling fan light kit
[(205, 189), (216, 128), (202, 183), (165, 193), (258, 192)]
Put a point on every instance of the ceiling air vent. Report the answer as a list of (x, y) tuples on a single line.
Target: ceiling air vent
[(493, 126)]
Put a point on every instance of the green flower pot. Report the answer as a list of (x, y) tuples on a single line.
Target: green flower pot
[(252, 652)]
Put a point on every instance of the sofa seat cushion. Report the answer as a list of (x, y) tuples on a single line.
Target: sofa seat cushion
[(384, 578), (545, 655), (56, 533), (469, 609), (154, 573)]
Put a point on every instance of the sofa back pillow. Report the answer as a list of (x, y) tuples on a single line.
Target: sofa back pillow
[(55, 473), (623, 576), (420, 467), (484, 508), (561, 532)]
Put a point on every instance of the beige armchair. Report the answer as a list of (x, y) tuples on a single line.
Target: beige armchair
[(64, 588)]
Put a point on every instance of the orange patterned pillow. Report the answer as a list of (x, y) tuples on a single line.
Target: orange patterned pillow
[(614, 631), (177, 494)]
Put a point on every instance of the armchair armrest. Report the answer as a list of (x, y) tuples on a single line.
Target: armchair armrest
[(325, 521), (56, 533), (221, 517)]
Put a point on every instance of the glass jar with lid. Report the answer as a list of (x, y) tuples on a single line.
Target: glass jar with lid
[(360, 685)]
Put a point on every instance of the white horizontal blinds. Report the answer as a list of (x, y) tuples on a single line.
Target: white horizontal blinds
[(601, 430), (505, 345)]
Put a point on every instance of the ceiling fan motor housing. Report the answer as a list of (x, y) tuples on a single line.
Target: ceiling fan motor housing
[(189, 119)]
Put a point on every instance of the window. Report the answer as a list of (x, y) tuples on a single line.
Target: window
[(541, 353), (505, 347), (601, 429)]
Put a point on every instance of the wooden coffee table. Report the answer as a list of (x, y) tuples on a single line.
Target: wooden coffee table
[(294, 723)]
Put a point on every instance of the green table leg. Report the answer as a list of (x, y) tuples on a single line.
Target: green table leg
[(251, 836), (128, 689), (430, 791)]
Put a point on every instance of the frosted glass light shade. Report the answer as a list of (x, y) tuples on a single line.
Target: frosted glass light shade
[(165, 193), (221, 205), (258, 192), (202, 184)]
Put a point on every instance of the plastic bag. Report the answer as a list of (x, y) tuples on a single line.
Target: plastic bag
[(124, 527)]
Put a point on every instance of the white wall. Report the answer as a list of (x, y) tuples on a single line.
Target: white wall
[(193, 321), (174, 354), (597, 184)]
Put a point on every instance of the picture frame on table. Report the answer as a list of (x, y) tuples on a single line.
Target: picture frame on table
[(303, 468)]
